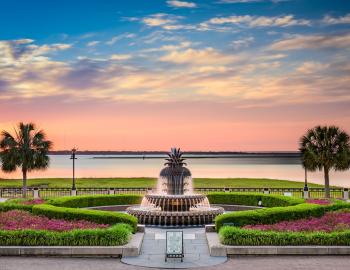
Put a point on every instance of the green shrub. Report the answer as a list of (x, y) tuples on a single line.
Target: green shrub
[(243, 237), (7, 206), (276, 214), (96, 200), (252, 199), (101, 217), (116, 235)]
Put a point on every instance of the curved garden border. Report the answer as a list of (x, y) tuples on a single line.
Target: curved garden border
[(282, 209)]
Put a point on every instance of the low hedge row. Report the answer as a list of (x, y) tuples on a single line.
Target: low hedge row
[(96, 200), (7, 206), (276, 214), (244, 237), (252, 199), (101, 217), (116, 235)]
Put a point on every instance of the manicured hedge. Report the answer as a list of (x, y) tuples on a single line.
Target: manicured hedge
[(101, 217), (244, 237), (252, 199), (276, 214), (96, 200), (7, 206), (116, 235)]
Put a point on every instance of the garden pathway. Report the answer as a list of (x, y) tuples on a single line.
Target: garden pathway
[(195, 249)]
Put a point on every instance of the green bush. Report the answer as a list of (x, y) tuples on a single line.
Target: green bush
[(96, 200), (244, 237), (276, 214), (252, 199), (116, 235), (101, 217), (7, 206)]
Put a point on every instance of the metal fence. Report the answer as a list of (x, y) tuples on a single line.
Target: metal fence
[(59, 192)]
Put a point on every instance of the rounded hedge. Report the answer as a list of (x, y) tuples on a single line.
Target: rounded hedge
[(114, 236), (247, 237), (252, 199), (96, 200)]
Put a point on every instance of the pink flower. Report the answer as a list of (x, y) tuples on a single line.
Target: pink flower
[(21, 220), (34, 201), (319, 201), (332, 221)]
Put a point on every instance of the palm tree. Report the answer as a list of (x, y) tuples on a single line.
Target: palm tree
[(26, 149), (325, 148)]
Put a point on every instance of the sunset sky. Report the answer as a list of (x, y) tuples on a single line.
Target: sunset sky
[(240, 75)]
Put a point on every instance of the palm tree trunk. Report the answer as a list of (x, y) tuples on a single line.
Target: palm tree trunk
[(24, 186), (326, 183)]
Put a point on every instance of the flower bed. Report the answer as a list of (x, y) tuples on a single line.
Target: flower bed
[(277, 214), (332, 221), (319, 201), (21, 220), (33, 201)]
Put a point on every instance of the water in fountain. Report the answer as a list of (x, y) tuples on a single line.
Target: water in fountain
[(174, 202)]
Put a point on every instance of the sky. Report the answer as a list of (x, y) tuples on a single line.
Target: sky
[(236, 75)]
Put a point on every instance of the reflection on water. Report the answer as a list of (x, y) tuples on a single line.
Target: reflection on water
[(259, 167)]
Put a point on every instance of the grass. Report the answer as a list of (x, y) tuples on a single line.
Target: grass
[(151, 182)]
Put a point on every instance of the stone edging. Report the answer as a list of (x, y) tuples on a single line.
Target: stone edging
[(217, 249), (131, 249)]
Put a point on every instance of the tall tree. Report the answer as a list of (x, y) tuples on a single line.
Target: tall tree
[(325, 148), (27, 149)]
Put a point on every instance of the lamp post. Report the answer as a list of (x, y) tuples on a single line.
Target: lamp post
[(305, 177), (306, 189), (74, 150)]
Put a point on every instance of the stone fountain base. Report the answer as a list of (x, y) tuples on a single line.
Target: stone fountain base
[(175, 210)]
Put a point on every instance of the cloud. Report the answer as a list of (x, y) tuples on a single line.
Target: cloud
[(311, 67), (167, 22), (159, 19), (312, 42), (14, 52), (207, 56), (242, 43), (120, 56), (329, 20), (181, 4), (92, 43), (259, 21), (119, 37)]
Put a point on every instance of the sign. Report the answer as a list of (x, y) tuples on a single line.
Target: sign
[(288, 194), (174, 245)]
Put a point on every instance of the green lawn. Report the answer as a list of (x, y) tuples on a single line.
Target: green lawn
[(151, 182)]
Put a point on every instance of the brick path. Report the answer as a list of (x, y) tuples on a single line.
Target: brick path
[(237, 263)]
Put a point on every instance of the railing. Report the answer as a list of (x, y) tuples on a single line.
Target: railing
[(11, 192)]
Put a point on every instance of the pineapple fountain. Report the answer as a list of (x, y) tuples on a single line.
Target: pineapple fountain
[(174, 203)]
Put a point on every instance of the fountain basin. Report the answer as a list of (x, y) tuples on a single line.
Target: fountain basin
[(200, 216)]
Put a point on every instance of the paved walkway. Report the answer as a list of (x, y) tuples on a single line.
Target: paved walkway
[(195, 249), (236, 263)]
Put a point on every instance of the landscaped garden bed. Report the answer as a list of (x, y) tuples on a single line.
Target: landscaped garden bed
[(317, 222), (38, 223)]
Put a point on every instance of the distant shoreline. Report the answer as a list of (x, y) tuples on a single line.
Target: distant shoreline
[(189, 154)]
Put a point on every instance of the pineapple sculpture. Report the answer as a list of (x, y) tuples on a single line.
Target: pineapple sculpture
[(175, 174)]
